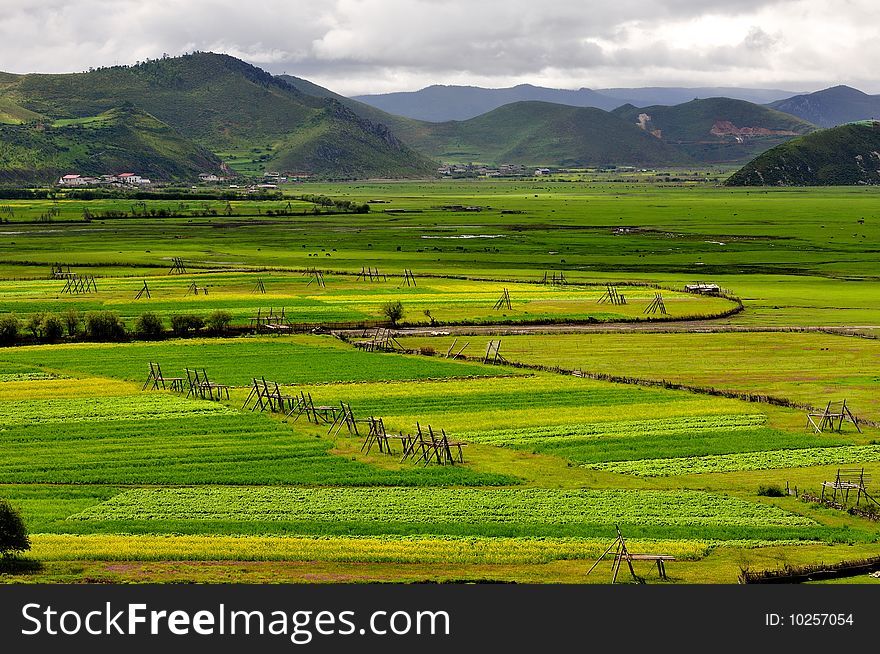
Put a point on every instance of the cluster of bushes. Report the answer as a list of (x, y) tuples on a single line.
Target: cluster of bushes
[(42, 326), (105, 326), (342, 206)]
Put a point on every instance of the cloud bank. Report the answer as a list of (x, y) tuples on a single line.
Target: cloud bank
[(364, 46)]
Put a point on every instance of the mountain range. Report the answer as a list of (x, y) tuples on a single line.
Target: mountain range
[(172, 117), (440, 103), (715, 130), (832, 107)]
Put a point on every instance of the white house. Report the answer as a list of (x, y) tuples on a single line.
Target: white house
[(73, 180)]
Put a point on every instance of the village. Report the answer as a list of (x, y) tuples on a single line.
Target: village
[(120, 179)]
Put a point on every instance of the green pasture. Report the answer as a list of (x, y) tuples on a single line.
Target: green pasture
[(795, 256), (537, 225)]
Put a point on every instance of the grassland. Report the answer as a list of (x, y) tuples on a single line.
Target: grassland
[(119, 484)]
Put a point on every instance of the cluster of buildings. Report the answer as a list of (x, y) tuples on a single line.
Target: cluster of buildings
[(104, 180), (504, 170)]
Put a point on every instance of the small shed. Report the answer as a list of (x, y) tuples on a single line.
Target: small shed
[(703, 289)]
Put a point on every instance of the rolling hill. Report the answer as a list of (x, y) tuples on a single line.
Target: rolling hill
[(716, 130), (541, 133), (839, 156), (227, 106), (117, 140), (831, 107)]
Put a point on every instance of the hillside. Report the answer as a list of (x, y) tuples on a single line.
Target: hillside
[(540, 133), (117, 140), (831, 107), (227, 106), (716, 130), (362, 109), (839, 156)]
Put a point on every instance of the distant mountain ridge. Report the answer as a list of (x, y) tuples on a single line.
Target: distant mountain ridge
[(845, 155), (830, 107), (439, 103)]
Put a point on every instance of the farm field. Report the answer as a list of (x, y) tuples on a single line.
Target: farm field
[(796, 256), (153, 463), (119, 484), (807, 368), (345, 299)]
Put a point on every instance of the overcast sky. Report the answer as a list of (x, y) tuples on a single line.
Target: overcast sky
[(370, 46)]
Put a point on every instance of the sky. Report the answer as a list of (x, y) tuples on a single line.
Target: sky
[(377, 46)]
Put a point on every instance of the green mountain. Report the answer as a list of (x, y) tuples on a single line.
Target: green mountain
[(839, 156), (229, 107), (540, 133), (717, 130), (830, 107), (117, 140)]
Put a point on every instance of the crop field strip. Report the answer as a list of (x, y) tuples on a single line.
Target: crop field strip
[(415, 549), (808, 368), (345, 299), (758, 460), (293, 360), (615, 445), (440, 507)]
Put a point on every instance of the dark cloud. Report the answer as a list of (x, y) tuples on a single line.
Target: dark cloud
[(362, 45)]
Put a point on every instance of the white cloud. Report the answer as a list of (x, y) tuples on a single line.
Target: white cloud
[(359, 46)]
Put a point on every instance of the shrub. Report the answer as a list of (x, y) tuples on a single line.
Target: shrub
[(149, 325), (771, 491), (184, 323), (104, 326), (219, 321), (9, 326), (426, 350), (13, 534), (35, 324), (393, 311), (72, 321), (53, 328)]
